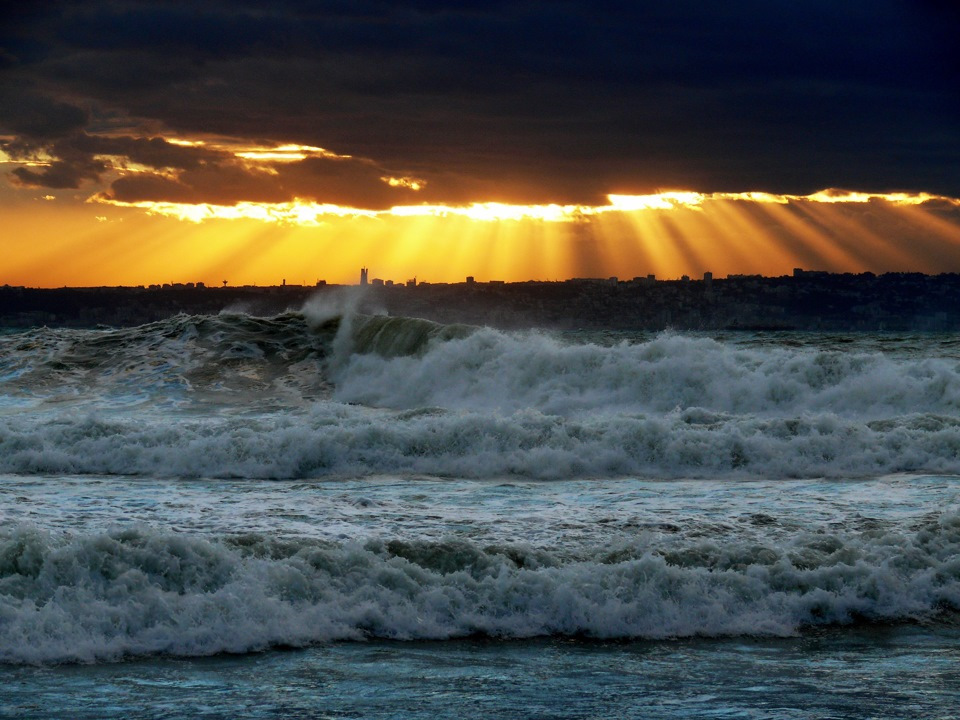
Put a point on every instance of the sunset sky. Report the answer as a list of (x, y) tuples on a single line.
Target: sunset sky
[(145, 142)]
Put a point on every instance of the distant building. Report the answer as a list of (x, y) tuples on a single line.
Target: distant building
[(801, 273), (377, 282), (412, 282), (470, 280), (363, 275)]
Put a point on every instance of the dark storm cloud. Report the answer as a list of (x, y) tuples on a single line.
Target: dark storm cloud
[(60, 174), (341, 181), (558, 101), (37, 117), (80, 156)]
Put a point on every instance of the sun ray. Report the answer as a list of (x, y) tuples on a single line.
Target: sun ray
[(687, 245), (851, 232), (667, 234), (812, 247)]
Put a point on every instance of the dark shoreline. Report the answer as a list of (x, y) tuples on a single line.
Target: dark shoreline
[(804, 301)]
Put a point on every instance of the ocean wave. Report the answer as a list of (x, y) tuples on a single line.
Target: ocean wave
[(144, 591), (337, 439), (488, 369), (306, 395), (406, 363)]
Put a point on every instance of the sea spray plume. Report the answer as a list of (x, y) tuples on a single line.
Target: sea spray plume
[(322, 307), (342, 305)]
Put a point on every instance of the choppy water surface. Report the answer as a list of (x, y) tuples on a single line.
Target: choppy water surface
[(460, 521), (898, 672)]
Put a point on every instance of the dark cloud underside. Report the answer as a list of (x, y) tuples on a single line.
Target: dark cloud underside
[(535, 102)]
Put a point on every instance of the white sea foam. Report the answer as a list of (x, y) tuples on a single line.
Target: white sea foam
[(342, 440), (488, 369), (144, 591)]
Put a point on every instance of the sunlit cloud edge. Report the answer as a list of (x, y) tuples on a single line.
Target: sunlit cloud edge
[(306, 212)]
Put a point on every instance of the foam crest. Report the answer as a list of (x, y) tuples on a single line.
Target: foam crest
[(312, 395), (493, 370), (406, 363), (343, 440), (143, 591)]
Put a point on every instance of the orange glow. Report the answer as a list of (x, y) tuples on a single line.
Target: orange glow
[(405, 182), (310, 213), (66, 242), (185, 143), (37, 159), (660, 201), (280, 153)]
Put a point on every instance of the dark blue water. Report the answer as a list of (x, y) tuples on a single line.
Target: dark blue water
[(879, 672)]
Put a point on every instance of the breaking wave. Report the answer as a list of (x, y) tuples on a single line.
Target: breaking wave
[(491, 370), (306, 395), (142, 591), (346, 441)]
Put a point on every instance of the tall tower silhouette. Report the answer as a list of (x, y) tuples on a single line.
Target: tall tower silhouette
[(363, 276)]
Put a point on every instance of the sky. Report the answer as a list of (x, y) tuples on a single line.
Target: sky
[(145, 142)]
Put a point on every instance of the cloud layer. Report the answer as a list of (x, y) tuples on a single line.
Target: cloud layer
[(531, 102)]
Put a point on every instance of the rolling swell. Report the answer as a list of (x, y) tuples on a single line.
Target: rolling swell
[(143, 591), (227, 359), (390, 337)]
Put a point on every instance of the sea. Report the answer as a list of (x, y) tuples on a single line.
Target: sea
[(328, 514)]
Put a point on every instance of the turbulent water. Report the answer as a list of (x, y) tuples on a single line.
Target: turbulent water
[(284, 397), (231, 484)]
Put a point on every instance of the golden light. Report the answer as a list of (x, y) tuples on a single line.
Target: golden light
[(308, 212), (660, 201), (281, 153), (405, 182), (39, 158), (667, 234), (185, 143), (839, 196), (493, 211)]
